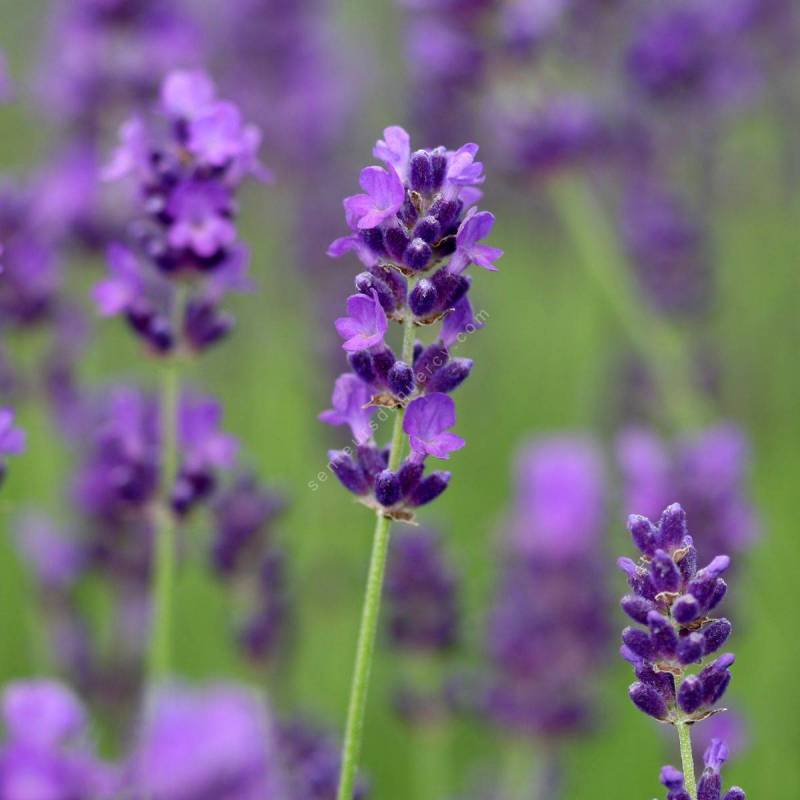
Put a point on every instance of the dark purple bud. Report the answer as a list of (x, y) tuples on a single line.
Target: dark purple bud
[(401, 379), (361, 364), (348, 472), (709, 787), (735, 793), (647, 699), (672, 527), (719, 592), (394, 280), (664, 572), (382, 361), (662, 634), (690, 648), (685, 609), (451, 376), (438, 167), (715, 635), (716, 677), (159, 334), (662, 682), (643, 533), (421, 172), (387, 488), (423, 298), (366, 283), (409, 474), (636, 607), (373, 238), (204, 324), (429, 488), (450, 288), (638, 642), (690, 694), (408, 212), (372, 460), (638, 580), (671, 778), (396, 242), (446, 211), (688, 564), (430, 361), (427, 229), (418, 254)]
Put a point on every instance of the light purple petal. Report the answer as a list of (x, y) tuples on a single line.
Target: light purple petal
[(394, 149), (187, 93)]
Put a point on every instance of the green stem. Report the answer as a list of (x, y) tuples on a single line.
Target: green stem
[(519, 771), (160, 654), (657, 342), (354, 731), (687, 758)]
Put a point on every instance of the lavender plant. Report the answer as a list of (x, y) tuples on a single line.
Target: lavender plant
[(680, 680), (187, 158), (416, 229), (547, 627)]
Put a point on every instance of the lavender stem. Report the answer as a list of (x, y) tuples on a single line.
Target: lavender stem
[(519, 771), (687, 758), (658, 343), (354, 731), (164, 546)]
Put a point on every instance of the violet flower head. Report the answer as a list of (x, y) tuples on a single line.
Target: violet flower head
[(312, 758), (46, 752), (12, 438), (707, 469), (421, 594), (709, 786), (417, 229), (672, 599), (199, 744), (187, 157), (547, 628)]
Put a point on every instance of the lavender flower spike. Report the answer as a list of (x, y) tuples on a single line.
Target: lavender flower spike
[(671, 602), (416, 228), (710, 785)]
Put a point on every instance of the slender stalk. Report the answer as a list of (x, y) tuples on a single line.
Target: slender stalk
[(159, 661), (519, 776), (687, 758), (658, 343), (354, 731), (160, 654)]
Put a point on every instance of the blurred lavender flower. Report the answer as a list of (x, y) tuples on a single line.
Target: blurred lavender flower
[(46, 753), (12, 438), (668, 250), (187, 175), (217, 743), (547, 628), (709, 786), (673, 600), (707, 470), (102, 55), (312, 762)]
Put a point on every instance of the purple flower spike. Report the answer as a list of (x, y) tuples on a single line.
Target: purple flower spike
[(427, 423), (673, 600), (350, 396), (366, 324), (383, 197), (477, 225), (12, 439)]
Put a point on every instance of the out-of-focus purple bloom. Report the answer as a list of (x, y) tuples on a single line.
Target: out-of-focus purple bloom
[(187, 174), (730, 727), (547, 629), (206, 744), (668, 250), (427, 423), (12, 438), (202, 444), (560, 501), (350, 399), (6, 86), (312, 758), (707, 470), (673, 599), (46, 754), (366, 324), (55, 556), (99, 56), (421, 594)]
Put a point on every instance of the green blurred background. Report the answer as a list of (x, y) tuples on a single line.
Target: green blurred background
[(544, 363)]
